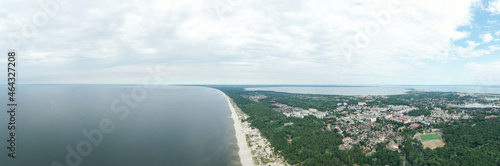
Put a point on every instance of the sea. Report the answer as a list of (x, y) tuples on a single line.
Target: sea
[(169, 125)]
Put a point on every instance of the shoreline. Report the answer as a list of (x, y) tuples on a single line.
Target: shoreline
[(254, 150), (244, 151)]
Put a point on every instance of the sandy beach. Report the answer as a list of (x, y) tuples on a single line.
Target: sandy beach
[(244, 152), (259, 151)]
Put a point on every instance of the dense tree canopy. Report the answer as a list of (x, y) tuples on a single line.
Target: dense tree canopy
[(422, 111)]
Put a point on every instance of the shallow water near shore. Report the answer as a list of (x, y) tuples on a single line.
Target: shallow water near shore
[(170, 126)]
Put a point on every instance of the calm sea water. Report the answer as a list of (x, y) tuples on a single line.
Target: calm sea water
[(171, 126), (380, 90)]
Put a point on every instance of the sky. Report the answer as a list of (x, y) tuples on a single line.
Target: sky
[(355, 42)]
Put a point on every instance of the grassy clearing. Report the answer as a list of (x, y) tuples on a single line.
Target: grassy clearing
[(430, 137)]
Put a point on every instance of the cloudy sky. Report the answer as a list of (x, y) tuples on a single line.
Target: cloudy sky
[(338, 42)]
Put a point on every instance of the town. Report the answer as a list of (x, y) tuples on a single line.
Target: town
[(368, 121)]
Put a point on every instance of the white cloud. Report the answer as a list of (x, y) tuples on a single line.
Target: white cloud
[(487, 37), (497, 33), (472, 51), (266, 37), (492, 68), (494, 7)]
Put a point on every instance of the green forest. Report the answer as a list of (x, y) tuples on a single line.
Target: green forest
[(465, 145), (421, 111)]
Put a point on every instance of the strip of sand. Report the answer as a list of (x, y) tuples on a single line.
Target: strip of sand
[(258, 151), (244, 152)]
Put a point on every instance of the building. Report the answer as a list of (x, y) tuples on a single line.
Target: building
[(392, 146), (491, 116), (347, 140), (388, 116), (405, 119), (437, 113), (287, 114), (320, 115), (381, 138), (305, 112)]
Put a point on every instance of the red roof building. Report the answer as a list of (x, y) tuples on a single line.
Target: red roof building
[(491, 116)]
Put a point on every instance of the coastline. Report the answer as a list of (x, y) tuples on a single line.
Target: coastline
[(254, 150), (244, 151)]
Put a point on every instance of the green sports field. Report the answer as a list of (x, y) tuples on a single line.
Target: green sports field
[(430, 137)]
